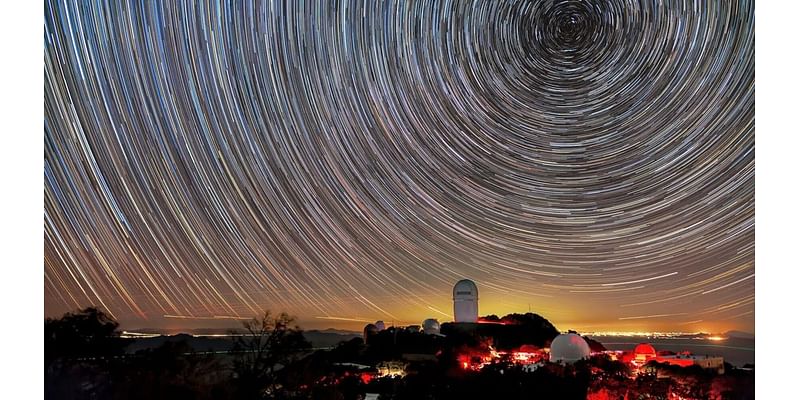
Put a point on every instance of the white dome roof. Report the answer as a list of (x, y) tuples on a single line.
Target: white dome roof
[(430, 326), (465, 289), (569, 348)]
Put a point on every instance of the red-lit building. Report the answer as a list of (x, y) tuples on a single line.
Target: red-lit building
[(645, 352)]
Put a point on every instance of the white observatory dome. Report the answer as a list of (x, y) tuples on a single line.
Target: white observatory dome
[(380, 325), (430, 326), (465, 301), (569, 348)]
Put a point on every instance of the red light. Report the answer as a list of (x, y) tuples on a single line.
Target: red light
[(483, 321), (366, 377)]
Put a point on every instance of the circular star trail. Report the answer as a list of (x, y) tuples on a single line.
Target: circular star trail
[(351, 160)]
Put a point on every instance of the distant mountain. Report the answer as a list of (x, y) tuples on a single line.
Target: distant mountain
[(318, 339), (739, 335), (329, 337), (197, 343), (336, 331)]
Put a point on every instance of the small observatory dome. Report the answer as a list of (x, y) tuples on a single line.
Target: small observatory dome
[(369, 330), (380, 325), (465, 301), (644, 351), (568, 348), (430, 326)]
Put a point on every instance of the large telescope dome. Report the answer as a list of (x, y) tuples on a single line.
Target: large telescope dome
[(644, 350), (465, 301), (568, 348)]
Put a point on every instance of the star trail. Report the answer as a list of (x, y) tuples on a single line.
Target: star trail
[(347, 161)]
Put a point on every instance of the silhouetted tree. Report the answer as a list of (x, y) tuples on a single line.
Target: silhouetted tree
[(268, 344), (87, 333), (78, 348)]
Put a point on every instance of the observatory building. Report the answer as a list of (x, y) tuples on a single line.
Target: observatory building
[(465, 301), (369, 331), (644, 352), (431, 326), (568, 348)]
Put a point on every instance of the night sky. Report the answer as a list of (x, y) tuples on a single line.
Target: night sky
[(348, 161)]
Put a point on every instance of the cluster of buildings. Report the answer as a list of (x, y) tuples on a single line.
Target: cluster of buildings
[(429, 327), (565, 348), (465, 309), (644, 353)]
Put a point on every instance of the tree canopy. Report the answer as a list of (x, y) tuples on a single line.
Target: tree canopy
[(85, 333)]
